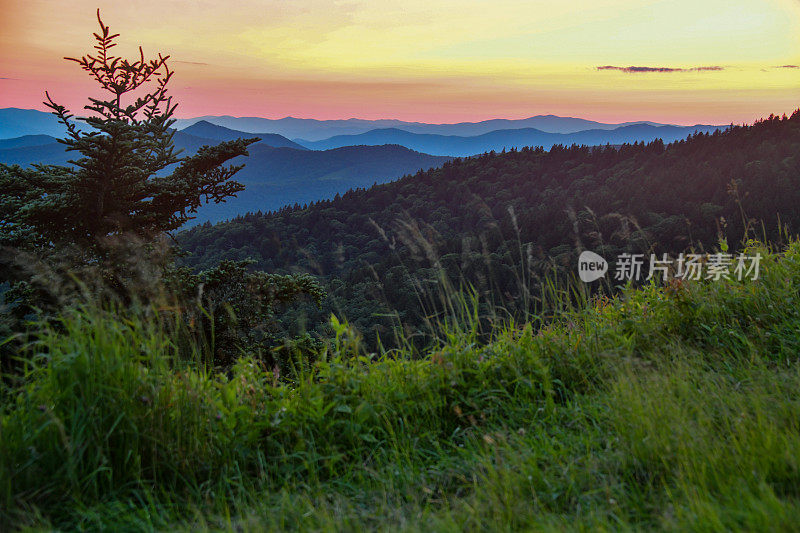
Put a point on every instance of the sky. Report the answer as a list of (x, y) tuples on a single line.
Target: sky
[(674, 61)]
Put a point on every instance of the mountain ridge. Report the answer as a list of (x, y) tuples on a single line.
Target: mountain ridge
[(208, 130), (294, 128), (497, 140), (16, 122)]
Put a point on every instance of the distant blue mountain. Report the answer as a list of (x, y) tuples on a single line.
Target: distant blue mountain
[(294, 128), (455, 145), (19, 122), (317, 130), (322, 134), (276, 177), (26, 140), (207, 130), (45, 154)]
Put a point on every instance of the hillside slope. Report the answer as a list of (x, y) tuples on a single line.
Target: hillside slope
[(669, 408), (20, 151), (26, 141), (503, 221)]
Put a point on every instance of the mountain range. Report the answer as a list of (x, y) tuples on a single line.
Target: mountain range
[(18, 122), (455, 145), (285, 171), (207, 130), (317, 130)]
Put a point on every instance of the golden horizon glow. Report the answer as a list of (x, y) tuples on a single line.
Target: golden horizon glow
[(431, 61)]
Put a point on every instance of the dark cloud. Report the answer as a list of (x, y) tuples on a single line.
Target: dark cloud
[(639, 69), (634, 70), (191, 62), (788, 66), (711, 68), (15, 79)]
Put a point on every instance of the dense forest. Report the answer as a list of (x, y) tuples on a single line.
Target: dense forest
[(503, 222)]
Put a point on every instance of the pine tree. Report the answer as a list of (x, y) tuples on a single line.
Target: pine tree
[(119, 186), (91, 229)]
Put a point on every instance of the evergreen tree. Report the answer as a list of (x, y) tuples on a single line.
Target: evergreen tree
[(95, 227), (118, 185)]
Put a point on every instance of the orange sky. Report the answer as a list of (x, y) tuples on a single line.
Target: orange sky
[(428, 60)]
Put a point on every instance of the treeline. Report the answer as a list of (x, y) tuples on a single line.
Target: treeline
[(504, 222)]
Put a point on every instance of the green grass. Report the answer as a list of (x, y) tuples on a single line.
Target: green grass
[(672, 409)]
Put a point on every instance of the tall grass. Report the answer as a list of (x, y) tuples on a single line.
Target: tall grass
[(669, 408)]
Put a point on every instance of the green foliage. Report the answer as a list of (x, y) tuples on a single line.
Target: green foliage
[(664, 408), (505, 224), (97, 230), (233, 309)]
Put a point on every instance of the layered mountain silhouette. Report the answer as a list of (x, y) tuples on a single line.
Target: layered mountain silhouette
[(281, 171), (18, 122), (317, 130), (25, 141), (30, 149), (455, 145)]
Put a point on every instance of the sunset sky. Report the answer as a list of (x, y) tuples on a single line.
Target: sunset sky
[(697, 61)]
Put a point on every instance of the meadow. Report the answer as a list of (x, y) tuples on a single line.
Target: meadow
[(668, 407)]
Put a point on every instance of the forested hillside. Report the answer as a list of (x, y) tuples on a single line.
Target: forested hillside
[(501, 221)]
